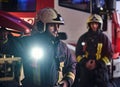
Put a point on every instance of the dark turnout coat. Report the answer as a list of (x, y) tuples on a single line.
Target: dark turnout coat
[(95, 46), (57, 60)]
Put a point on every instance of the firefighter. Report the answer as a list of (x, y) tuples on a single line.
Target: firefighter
[(57, 66), (93, 52), (3, 36), (9, 47)]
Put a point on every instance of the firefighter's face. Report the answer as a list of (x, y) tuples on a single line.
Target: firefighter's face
[(94, 26), (3, 36), (53, 29)]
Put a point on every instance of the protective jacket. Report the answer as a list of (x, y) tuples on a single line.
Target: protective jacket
[(95, 46), (11, 48), (57, 64)]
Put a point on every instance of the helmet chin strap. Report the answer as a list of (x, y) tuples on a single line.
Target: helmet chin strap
[(98, 30), (55, 32)]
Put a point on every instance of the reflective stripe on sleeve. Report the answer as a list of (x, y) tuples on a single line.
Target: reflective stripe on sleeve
[(71, 75), (79, 58), (83, 56), (106, 60)]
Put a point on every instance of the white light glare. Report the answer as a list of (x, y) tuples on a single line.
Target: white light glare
[(37, 53), (101, 8), (83, 43)]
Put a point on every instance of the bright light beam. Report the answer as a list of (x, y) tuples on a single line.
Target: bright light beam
[(37, 53)]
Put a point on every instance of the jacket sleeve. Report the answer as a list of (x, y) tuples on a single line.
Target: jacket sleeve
[(69, 69), (80, 51), (107, 51)]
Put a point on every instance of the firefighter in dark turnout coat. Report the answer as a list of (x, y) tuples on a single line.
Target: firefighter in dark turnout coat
[(9, 46), (93, 52), (58, 65)]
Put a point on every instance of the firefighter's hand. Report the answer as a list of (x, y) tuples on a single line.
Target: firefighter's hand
[(63, 83), (91, 64)]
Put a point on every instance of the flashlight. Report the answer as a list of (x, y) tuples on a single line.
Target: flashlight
[(37, 53)]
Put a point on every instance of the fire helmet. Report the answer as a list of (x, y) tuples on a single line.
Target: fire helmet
[(95, 18), (3, 35), (45, 16)]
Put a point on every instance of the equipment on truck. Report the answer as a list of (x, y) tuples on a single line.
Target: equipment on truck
[(11, 68)]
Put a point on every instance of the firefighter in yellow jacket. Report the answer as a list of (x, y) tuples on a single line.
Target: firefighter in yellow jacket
[(93, 52)]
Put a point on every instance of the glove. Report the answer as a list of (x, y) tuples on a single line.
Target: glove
[(63, 83), (91, 64)]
